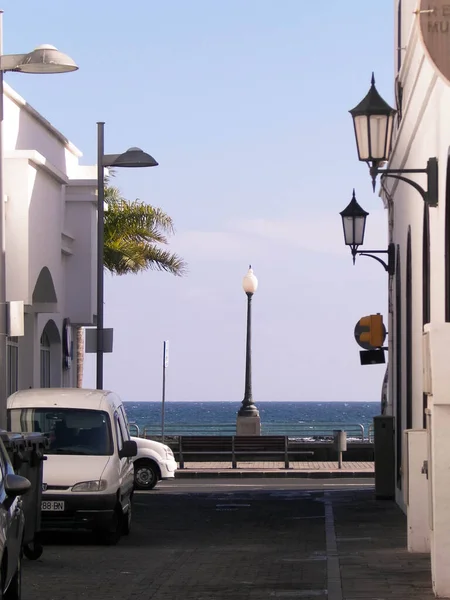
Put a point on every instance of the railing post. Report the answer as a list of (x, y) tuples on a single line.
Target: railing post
[(286, 454), (233, 456)]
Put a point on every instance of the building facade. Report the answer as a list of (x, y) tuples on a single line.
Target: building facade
[(419, 299), (50, 246)]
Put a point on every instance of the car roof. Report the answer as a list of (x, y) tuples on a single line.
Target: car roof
[(63, 398)]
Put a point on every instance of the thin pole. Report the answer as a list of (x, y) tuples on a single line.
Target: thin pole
[(248, 408), (3, 338), (100, 248), (163, 401), (248, 399)]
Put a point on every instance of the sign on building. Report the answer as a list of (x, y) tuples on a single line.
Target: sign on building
[(434, 18)]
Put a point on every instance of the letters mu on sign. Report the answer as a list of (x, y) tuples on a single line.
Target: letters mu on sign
[(434, 28)]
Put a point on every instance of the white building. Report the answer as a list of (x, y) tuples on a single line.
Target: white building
[(419, 323), (50, 221)]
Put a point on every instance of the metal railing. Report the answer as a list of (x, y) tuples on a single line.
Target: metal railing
[(306, 431)]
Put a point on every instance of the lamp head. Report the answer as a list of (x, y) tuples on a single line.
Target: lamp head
[(46, 59), (250, 282)]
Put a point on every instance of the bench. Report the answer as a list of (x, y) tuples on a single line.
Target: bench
[(235, 446)]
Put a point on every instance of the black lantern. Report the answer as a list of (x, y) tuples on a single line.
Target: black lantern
[(354, 224), (373, 121)]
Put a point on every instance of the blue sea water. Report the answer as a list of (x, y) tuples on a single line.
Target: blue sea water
[(202, 414)]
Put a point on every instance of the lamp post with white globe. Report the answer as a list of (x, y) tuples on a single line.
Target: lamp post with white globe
[(248, 416)]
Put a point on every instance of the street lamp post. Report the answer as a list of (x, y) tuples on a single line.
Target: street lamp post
[(248, 421), (43, 60), (132, 158), (354, 225)]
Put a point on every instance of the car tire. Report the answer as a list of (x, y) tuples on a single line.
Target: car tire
[(146, 474), (14, 591), (33, 551), (111, 535)]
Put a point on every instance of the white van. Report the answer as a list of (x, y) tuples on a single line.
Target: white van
[(88, 474)]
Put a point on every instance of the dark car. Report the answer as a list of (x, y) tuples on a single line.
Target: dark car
[(12, 523)]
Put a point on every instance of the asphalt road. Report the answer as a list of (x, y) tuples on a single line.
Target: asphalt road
[(227, 540)]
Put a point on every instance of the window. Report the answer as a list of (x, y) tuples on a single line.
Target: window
[(399, 35), (447, 244), (70, 430), (426, 285), (119, 433), (398, 367), (12, 361), (409, 327), (45, 361), (124, 420)]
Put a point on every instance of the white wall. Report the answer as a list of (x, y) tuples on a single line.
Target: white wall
[(50, 221)]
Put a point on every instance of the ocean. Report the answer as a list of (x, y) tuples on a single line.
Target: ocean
[(196, 418)]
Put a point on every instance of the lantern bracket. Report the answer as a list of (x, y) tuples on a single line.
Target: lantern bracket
[(430, 195), (389, 266)]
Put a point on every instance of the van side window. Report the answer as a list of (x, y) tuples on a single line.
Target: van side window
[(123, 421), (119, 434)]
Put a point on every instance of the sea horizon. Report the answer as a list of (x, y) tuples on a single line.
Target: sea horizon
[(258, 401)]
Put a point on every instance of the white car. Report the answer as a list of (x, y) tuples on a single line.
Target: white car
[(153, 462)]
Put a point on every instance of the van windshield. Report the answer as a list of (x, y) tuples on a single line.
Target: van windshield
[(69, 430)]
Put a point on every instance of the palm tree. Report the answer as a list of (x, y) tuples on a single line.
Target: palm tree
[(134, 234)]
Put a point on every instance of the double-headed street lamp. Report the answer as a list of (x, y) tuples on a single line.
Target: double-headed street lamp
[(43, 60), (373, 121), (354, 224), (248, 408), (132, 158)]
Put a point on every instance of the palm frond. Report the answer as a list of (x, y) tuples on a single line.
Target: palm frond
[(132, 231)]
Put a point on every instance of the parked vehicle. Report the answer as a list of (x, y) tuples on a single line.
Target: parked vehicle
[(88, 478), (154, 461), (12, 519)]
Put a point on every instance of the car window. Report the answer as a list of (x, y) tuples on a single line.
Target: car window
[(69, 430), (119, 434), (123, 421)]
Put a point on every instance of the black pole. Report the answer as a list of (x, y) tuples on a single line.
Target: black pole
[(100, 249), (248, 409)]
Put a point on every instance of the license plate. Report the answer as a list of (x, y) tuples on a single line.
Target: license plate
[(54, 505)]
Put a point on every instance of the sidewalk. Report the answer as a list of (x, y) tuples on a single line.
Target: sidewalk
[(373, 558), (276, 469)]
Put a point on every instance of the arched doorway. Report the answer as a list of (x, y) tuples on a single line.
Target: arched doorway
[(398, 368), (50, 356), (409, 334), (45, 360)]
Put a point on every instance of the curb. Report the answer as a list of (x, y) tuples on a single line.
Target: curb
[(188, 474)]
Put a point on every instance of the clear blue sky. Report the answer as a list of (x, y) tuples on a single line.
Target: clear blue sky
[(245, 107)]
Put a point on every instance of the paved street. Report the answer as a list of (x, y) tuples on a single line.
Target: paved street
[(249, 539)]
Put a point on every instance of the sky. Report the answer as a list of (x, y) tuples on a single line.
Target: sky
[(244, 104)]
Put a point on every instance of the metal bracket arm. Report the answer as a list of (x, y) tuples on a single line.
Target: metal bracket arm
[(389, 266), (430, 195)]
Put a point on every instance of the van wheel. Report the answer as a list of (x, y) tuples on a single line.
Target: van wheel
[(146, 475), (33, 551), (111, 536), (14, 591)]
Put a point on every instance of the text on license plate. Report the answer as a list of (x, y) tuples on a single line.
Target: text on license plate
[(52, 505)]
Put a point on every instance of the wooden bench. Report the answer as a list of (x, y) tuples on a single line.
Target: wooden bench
[(204, 445), (235, 446)]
